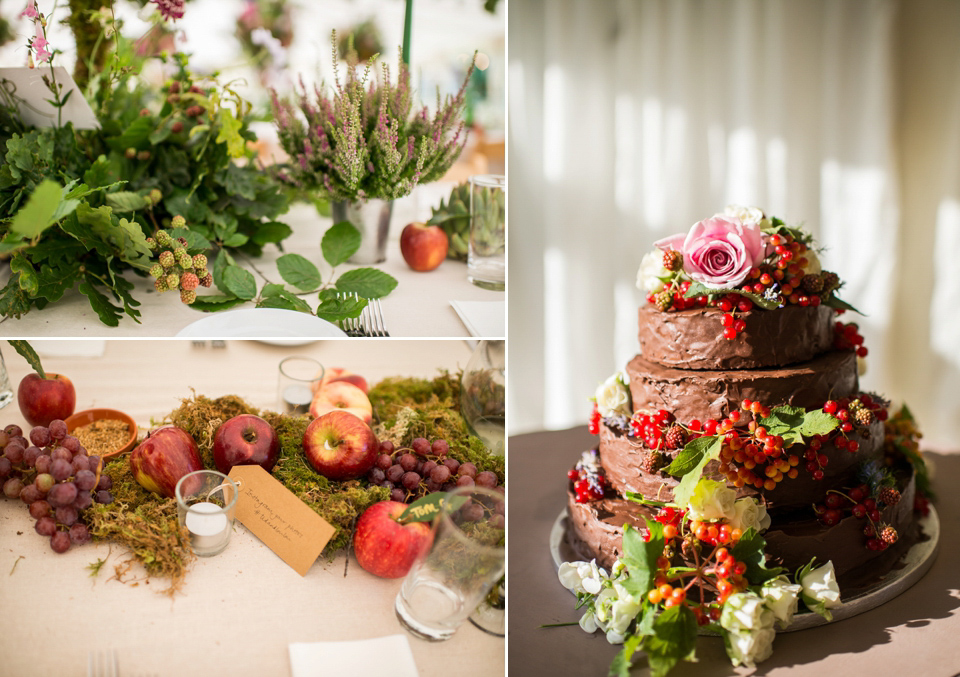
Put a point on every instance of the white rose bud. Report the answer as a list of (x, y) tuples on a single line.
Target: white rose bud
[(820, 585), (650, 272), (712, 500), (812, 266), (745, 611), (745, 214), (749, 513), (613, 397), (782, 598), (751, 647)]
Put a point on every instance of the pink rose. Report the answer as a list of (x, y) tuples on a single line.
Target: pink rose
[(720, 251)]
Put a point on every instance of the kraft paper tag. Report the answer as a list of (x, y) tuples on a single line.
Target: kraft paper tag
[(277, 517)]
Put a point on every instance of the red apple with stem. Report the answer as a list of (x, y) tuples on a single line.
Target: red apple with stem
[(166, 455), (340, 446), (386, 548), (42, 400), (245, 440), (334, 374), (343, 396), (423, 247)]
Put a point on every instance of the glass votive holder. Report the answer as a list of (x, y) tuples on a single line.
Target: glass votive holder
[(206, 507), (465, 561), (486, 254), (300, 378)]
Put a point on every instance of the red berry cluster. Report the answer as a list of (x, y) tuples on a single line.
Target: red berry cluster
[(730, 305), (711, 574), (847, 337), (589, 482), (594, 425), (657, 430), (859, 503), (672, 298)]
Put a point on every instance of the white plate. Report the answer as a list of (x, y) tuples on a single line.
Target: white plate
[(912, 566), (260, 323)]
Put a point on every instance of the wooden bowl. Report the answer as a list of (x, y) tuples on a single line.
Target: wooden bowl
[(82, 418)]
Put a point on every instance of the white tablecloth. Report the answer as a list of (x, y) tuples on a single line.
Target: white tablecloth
[(239, 611), (419, 306)]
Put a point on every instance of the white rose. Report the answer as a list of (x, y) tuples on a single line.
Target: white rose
[(745, 214), (781, 597), (749, 513), (613, 396), (650, 272), (745, 611), (813, 262), (582, 577), (750, 647), (712, 500), (820, 585)]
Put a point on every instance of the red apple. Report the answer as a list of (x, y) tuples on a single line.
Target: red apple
[(166, 455), (342, 396), (423, 247), (340, 446), (245, 440), (334, 374), (45, 399), (383, 546)]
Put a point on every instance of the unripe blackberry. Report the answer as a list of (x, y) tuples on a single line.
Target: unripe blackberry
[(152, 244), (200, 262), (183, 258), (166, 258), (188, 297), (130, 153), (194, 111), (144, 112), (206, 280), (889, 535), (672, 260), (156, 270), (143, 155), (176, 127), (189, 281), (830, 281), (163, 238), (863, 416), (155, 196), (653, 461), (178, 222), (174, 87), (182, 241), (173, 99), (173, 280), (160, 284), (664, 300)]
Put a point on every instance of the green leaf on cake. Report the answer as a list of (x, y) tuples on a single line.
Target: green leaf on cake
[(674, 639), (750, 550), (699, 289), (641, 556), (623, 662), (839, 304), (793, 424), (690, 463)]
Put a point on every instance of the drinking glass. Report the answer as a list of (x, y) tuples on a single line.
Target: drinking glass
[(300, 377), (466, 559), (482, 389), (6, 390), (486, 255), (206, 507)]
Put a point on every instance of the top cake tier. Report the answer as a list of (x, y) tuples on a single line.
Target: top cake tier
[(692, 338)]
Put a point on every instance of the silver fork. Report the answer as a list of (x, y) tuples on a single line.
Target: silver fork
[(373, 319), (351, 325), (102, 664)]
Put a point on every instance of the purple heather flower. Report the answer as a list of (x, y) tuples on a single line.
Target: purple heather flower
[(170, 9)]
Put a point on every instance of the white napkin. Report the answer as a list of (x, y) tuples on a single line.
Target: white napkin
[(359, 658), (483, 319)]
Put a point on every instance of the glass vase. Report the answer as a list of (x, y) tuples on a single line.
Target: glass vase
[(6, 390), (482, 390)]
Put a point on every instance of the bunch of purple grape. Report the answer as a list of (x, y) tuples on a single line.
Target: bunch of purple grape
[(425, 467), (52, 473)]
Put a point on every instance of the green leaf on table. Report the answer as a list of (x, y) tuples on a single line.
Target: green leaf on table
[(220, 264), (340, 242), (240, 282), (298, 271), (30, 355), (750, 550), (13, 302), (230, 133), (126, 201), (641, 556), (674, 639), (55, 281), (333, 308), (235, 240), (39, 212), (370, 283), (215, 302), (276, 296), (271, 231), (108, 313), (28, 276)]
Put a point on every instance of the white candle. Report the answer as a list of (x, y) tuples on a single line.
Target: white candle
[(207, 524), (297, 399)]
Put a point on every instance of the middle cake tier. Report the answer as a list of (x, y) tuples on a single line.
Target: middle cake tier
[(713, 394)]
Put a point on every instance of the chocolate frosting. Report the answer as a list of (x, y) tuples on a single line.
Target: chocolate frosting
[(693, 339), (622, 458), (713, 394)]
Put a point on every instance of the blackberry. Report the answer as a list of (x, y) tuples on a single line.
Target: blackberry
[(830, 281), (652, 462), (676, 437), (812, 284), (888, 535), (664, 300), (672, 260), (888, 496), (863, 416)]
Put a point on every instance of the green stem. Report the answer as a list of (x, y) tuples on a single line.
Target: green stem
[(407, 29)]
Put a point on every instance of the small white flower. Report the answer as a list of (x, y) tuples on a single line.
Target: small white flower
[(820, 585), (812, 266), (712, 500), (750, 647), (650, 272), (745, 611), (582, 577), (624, 610), (745, 214), (781, 597), (613, 396), (588, 621), (749, 512)]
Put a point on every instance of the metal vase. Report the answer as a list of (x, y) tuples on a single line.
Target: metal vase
[(372, 219)]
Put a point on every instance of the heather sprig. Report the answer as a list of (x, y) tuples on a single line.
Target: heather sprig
[(362, 139)]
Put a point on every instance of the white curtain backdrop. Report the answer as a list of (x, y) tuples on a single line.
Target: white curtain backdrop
[(632, 120)]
